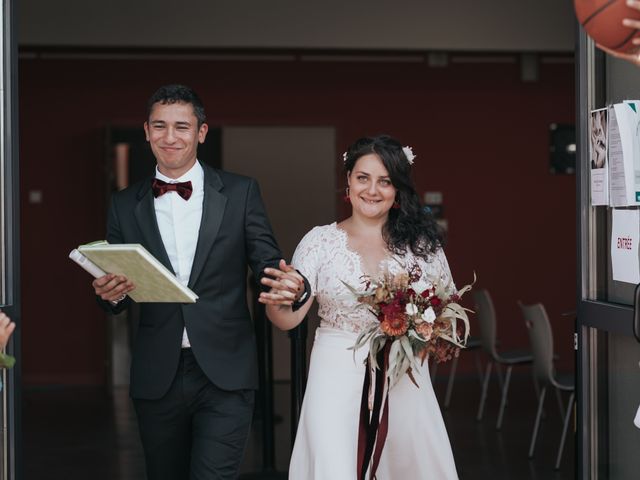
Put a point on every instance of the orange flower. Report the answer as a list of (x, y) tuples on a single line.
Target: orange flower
[(425, 330), (395, 325)]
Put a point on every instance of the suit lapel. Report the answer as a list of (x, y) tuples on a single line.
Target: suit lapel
[(145, 214), (212, 212)]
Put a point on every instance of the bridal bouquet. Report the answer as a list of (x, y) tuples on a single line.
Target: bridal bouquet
[(416, 318)]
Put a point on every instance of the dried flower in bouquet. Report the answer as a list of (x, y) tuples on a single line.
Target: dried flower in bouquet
[(418, 317)]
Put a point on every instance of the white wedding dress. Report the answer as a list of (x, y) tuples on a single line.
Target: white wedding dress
[(417, 446)]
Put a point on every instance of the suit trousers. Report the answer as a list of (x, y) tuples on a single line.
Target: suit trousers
[(196, 431)]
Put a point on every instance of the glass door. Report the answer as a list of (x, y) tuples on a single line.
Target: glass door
[(9, 251), (608, 384)]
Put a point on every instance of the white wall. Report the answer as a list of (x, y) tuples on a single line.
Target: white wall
[(507, 25)]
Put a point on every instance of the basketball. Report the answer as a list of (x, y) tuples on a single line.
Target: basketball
[(602, 20)]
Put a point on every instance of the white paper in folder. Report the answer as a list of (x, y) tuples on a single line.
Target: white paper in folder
[(153, 281), (87, 264)]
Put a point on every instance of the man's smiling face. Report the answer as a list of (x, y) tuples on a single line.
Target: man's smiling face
[(172, 131)]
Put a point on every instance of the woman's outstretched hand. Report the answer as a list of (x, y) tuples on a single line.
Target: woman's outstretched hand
[(6, 329), (286, 284)]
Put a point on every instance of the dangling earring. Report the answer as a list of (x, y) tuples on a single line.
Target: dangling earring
[(346, 197), (395, 205)]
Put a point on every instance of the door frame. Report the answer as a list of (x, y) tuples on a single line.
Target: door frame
[(10, 230)]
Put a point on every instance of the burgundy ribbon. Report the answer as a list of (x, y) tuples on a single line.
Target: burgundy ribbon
[(184, 189), (373, 428)]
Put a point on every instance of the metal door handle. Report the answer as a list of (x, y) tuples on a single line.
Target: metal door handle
[(636, 313)]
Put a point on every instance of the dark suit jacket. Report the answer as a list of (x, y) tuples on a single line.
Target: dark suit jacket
[(234, 233)]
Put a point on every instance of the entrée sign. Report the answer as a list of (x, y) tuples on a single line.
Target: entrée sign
[(625, 243), (625, 230)]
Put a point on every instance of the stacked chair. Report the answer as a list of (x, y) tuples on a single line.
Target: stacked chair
[(486, 315), (474, 344), (541, 338)]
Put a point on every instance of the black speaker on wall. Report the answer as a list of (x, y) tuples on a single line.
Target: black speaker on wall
[(562, 148)]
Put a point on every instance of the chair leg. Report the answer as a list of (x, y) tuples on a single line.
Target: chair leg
[(499, 373), (503, 400), (485, 386), (567, 417), (536, 425), (536, 385), (560, 405), (452, 376), (478, 367)]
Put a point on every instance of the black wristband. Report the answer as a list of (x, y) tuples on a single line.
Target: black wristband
[(296, 305)]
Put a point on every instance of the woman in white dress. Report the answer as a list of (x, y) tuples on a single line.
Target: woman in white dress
[(387, 229)]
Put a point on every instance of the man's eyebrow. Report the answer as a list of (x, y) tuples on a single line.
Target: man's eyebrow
[(184, 123), (155, 122)]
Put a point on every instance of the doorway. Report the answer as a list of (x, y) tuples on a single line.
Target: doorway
[(608, 387)]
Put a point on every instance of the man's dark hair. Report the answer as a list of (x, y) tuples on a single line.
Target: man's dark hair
[(169, 94)]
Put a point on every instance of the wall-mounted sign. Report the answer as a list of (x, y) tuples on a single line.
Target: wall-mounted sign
[(625, 231), (623, 142), (598, 157)]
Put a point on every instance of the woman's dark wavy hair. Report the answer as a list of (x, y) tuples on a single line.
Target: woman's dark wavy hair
[(410, 225)]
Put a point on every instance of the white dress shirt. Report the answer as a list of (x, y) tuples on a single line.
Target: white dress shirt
[(179, 224)]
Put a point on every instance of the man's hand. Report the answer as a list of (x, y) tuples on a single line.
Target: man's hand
[(6, 329), (287, 285), (111, 287)]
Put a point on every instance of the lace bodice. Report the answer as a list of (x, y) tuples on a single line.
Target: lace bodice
[(324, 257)]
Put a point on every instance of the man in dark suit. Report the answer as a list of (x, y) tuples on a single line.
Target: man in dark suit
[(194, 366)]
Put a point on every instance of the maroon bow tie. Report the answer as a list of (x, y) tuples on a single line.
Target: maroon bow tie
[(184, 189)]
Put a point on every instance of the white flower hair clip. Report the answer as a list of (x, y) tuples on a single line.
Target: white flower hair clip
[(408, 152)]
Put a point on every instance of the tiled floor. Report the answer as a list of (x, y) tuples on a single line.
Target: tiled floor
[(87, 433)]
